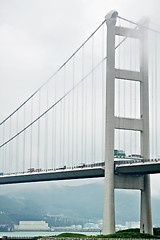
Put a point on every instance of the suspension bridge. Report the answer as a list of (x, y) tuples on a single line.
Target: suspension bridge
[(96, 116)]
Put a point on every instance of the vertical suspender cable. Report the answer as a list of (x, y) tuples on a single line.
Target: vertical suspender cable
[(46, 135), (103, 87), (73, 122), (4, 148), (52, 148), (77, 127), (92, 106), (31, 133), (135, 89), (82, 132), (156, 94), (60, 134), (152, 105), (1, 150), (119, 84), (24, 139), (55, 127), (85, 124), (10, 146), (130, 86), (124, 105), (38, 135), (69, 133), (17, 147), (64, 124)]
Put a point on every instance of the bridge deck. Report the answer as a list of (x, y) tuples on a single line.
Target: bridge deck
[(64, 174), (83, 172), (138, 168)]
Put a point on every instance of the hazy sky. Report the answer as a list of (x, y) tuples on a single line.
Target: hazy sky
[(37, 36)]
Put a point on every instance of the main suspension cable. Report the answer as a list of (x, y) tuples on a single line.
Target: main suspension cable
[(52, 106), (64, 65), (139, 25), (63, 95), (67, 62), (53, 74)]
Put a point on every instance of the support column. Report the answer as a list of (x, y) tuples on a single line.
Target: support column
[(109, 208), (146, 211)]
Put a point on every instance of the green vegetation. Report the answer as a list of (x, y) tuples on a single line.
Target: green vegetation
[(156, 231), (133, 233), (135, 230), (128, 233), (64, 235), (71, 235)]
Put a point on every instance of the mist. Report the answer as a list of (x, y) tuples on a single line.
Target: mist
[(36, 37)]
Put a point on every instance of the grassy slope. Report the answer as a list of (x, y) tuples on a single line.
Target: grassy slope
[(129, 233)]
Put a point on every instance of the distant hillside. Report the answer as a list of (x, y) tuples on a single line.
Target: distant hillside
[(86, 201)]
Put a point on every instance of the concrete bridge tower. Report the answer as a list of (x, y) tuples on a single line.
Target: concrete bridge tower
[(113, 181)]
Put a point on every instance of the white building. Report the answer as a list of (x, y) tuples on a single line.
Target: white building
[(32, 226)]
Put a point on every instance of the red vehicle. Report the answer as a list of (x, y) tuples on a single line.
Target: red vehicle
[(38, 170), (30, 170)]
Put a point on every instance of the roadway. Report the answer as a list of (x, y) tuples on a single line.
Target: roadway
[(63, 174), (96, 170), (152, 167)]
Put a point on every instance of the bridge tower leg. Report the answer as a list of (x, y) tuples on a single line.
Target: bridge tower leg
[(109, 208), (113, 181), (146, 211)]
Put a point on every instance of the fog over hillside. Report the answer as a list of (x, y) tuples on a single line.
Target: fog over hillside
[(32, 201)]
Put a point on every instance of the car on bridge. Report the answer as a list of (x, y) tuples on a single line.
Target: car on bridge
[(135, 156)]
